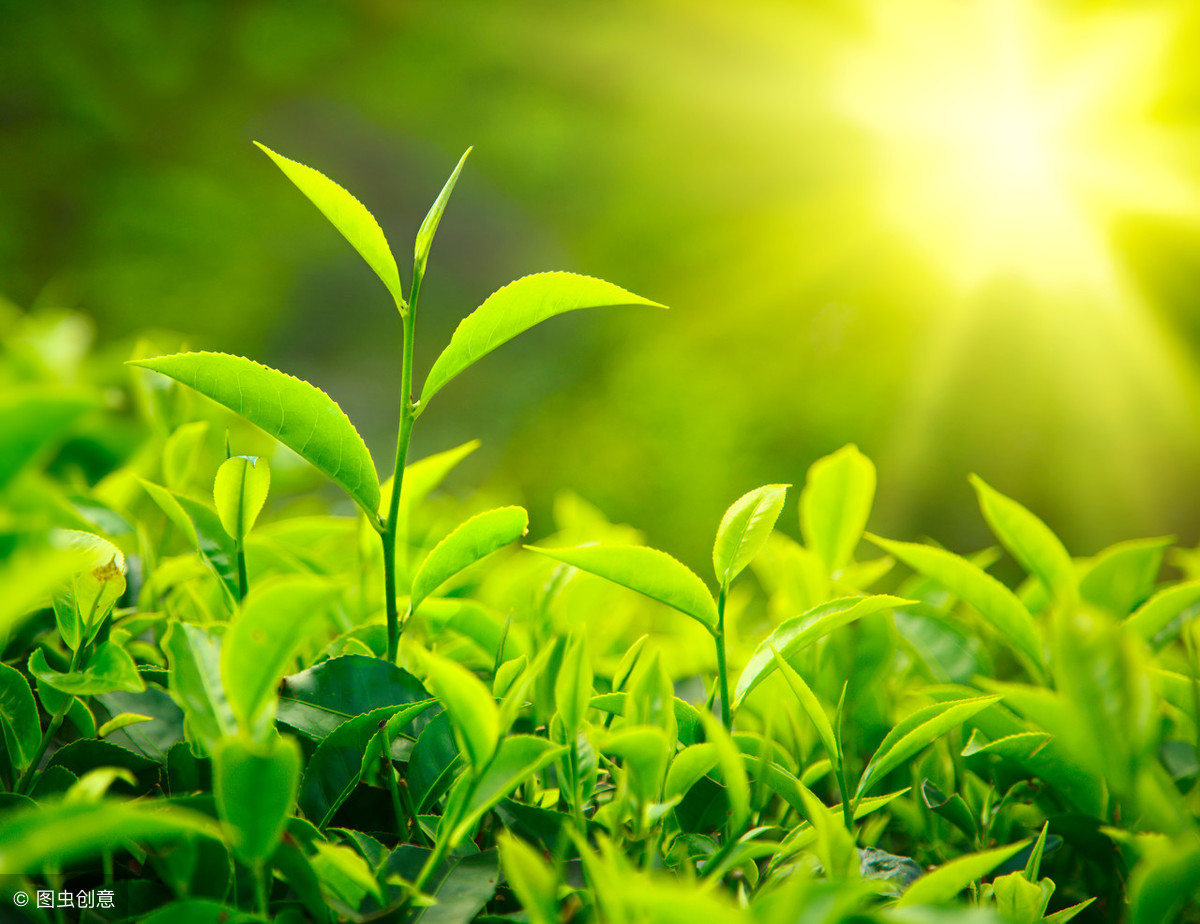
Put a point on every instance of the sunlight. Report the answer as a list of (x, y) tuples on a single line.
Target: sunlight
[(1009, 138)]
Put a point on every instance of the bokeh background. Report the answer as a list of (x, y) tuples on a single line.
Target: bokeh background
[(960, 233)]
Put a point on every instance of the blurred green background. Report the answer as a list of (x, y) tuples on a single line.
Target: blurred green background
[(962, 235)]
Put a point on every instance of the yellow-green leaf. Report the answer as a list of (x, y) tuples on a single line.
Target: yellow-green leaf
[(744, 530), (477, 538), (348, 215), (239, 492)]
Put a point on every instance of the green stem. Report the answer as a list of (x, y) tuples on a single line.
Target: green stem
[(722, 671), (56, 721), (393, 788), (407, 415)]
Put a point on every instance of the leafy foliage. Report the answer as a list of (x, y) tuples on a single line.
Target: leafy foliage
[(211, 706)]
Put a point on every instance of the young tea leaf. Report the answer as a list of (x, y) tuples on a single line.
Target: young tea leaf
[(835, 504), (255, 788), (477, 538), (348, 215), (18, 710), (516, 308), (796, 633), (430, 225), (276, 620), (916, 732), (744, 530), (472, 710), (239, 492), (1028, 540), (948, 880), (201, 524), (994, 602), (812, 708), (648, 571), (298, 414), (1153, 616)]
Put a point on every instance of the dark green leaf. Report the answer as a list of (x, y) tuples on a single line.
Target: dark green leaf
[(255, 787)]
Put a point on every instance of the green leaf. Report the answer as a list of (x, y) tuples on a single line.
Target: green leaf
[(733, 773), (800, 631), (22, 731), (430, 225), (276, 620), (200, 911), (461, 894), (123, 720), (478, 537), (337, 765), (180, 453), (812, 708), (239, 493), (516, 308), (1029, 541), (644, 749), (255, 787), (472, 710), (93, 590), (517, 759), (1019, 900), (56, 835), (1066, 914), (917, 731), (835, 504), (573, 685), (318, 700), (420, 478), (84, 755), (108, 668), (348, 215), (953, 808), (945, 882), (648, 571), (991, 599), (298, 414), (1122, 576), (194, 679), (200, 523), (532, 881), (1157, 613), (744, 530), (688, 767)]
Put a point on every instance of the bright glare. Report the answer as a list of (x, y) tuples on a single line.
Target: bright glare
[(1010, 137)]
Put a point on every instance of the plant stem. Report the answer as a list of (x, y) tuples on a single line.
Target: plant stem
[(393, 788), (407, 409), (722, 672), (55, 721), (261, 874)]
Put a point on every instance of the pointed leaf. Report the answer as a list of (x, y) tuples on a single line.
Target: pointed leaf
[(1028, 540), (276, 620), (733, 773), (430, 225), (255, 788), (1153, 616), (916, 732), (22, 730), (239, 492), (516, 308), (744, 530), (993, 601), (517, 759), (194, 680), (298, 414), (800, 631), (472, 710), (477, 538), (812, 708), (348, 215), (202, 526), (835, 504), (648, 571), (109, 668), (945, 882)]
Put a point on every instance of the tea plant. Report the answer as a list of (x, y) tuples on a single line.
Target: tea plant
[(222, 702)]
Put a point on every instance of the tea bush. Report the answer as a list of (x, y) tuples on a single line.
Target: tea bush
[(226, 697)]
